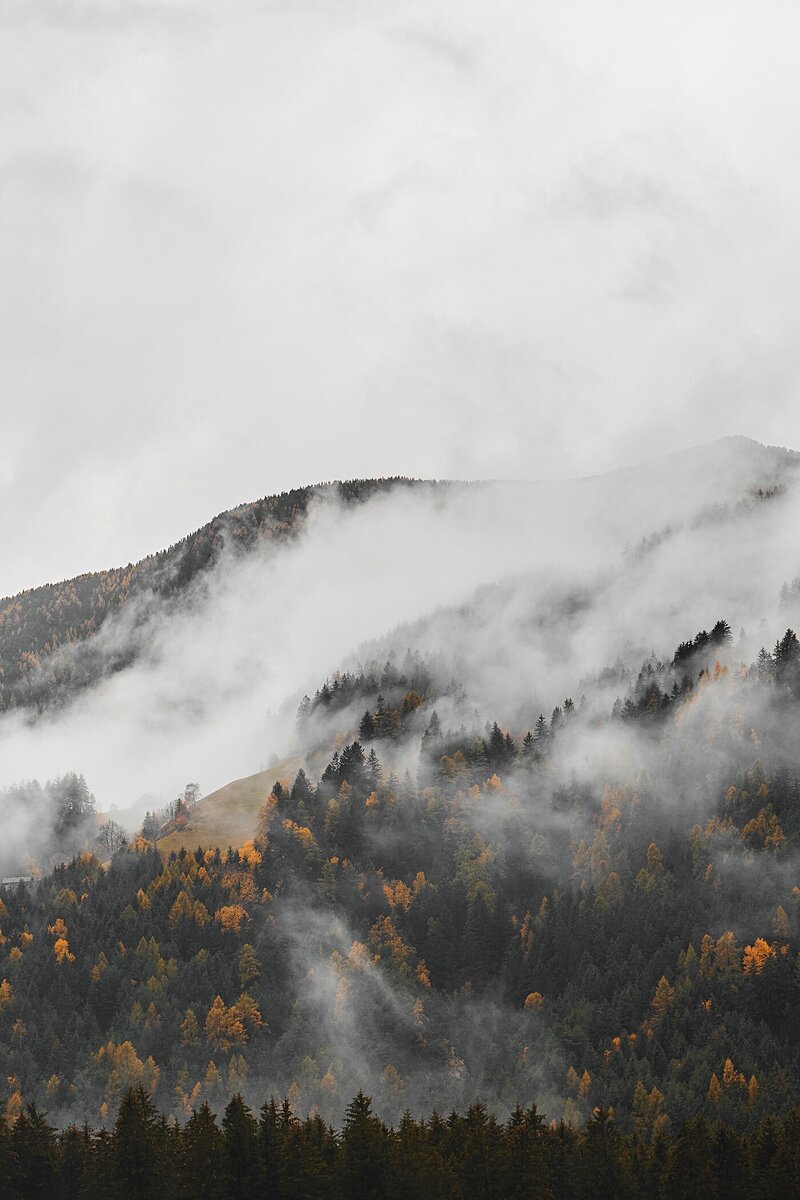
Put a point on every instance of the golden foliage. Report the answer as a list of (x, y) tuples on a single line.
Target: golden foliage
[(190, 1030), (15, 1103), (126, 1070), (764, 831), (250, 853), (720, 959), (649, 1116), (224, 1028), (248, 1012), (188, 1101), (62, 951), (663, 998), (398, 895), (231, 917), (757, 956), (302, 833), (182, 910)]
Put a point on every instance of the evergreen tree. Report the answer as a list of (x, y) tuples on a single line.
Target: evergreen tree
[(240, 1153), (202, 1156), (138, 1152), (363, 1157)]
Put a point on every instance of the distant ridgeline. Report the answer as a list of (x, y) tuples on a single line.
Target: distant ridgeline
[(481, 924), (45, 633)]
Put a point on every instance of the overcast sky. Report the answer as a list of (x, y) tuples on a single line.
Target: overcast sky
[(246, 246)]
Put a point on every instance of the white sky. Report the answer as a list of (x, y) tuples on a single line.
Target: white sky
[(247, 246)]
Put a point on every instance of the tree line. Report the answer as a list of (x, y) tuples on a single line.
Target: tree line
[(274, 1155)]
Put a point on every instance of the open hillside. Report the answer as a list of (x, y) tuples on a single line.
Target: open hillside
[(228, 817)]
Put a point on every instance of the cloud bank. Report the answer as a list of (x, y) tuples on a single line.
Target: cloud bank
[(523, 590), (251, 244)]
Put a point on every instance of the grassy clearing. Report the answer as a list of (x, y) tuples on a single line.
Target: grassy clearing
[(228, 816)]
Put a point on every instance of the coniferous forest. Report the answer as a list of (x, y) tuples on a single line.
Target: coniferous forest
[(457, 954), (430, 831), (530, 987)]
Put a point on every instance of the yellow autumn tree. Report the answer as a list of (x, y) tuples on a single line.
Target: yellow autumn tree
[(398, 895), (182, 910), (649, 1116), (250, 854), (224, 1028), (190, 1029), (662, 998), (125, 1070), (757, 956), (231, 917), (62, 951), (248, 1012), (15, 1103)]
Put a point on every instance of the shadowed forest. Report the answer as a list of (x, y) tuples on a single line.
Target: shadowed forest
[(275, 1156)]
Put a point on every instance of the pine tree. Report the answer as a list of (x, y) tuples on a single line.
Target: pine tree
[(201, 1165), (138, 1157), (363, 1158), (240, 1153)]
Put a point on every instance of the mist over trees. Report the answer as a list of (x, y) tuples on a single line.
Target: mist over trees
[(62, 817), (490, 924), (47, 652), (528, 894)]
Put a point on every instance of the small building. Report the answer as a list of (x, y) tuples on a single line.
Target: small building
[(12, 881)]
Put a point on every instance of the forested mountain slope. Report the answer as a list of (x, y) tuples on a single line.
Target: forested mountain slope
[(489, 926), (46, 632), (543, 845)]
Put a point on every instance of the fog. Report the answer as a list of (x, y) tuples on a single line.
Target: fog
[(245, 245), (524, 591)]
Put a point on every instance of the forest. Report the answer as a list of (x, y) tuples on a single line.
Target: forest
[(49, 651), (274, 1155), (483, 930)]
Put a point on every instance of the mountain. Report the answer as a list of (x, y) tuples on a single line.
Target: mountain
[(46, 632), (228, 816), (532, 836)]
